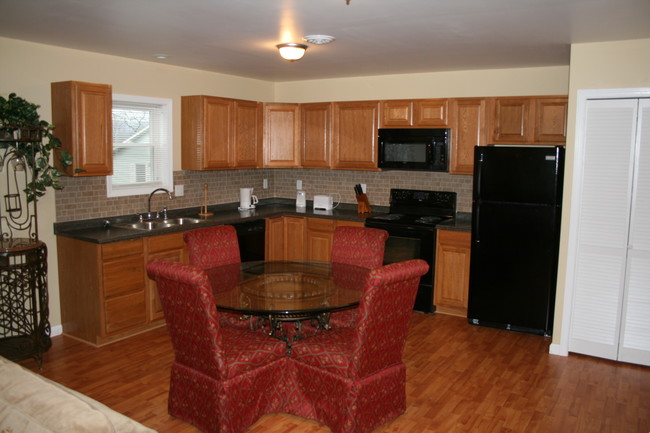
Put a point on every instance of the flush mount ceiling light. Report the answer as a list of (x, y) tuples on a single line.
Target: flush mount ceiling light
[(319, 39), (292, 51)]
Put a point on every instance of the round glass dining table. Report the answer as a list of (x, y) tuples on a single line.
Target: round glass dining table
[(281, 291)]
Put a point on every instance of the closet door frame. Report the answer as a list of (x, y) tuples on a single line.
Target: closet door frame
[(572, 189)]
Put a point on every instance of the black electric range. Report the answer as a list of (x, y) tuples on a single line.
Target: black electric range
[(411, 226)]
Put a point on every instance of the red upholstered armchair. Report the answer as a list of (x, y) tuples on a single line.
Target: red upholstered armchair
[(360, 246), (354, 378), (222, 379), (215, 246)]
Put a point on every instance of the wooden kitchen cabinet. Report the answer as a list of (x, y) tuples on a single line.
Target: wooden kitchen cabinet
[(418, 113), (468, 130), (105, 292), (301, 238), (528, 120), (170, 247), (220, 133), (318, 239), (281, 135), (354, 135), (451, 284), (285, 238), (82, 114), (316, 134), (247, 141)]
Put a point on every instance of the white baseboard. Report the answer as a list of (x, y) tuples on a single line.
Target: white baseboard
[(56, 330), (558, 349)]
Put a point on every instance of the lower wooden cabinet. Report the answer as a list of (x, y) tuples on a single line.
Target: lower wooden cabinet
[(285, 238), (452, 272), (302, 238), (105, 293)]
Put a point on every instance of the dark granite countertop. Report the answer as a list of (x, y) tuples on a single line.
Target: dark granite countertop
[(105, 230), (462, 222)]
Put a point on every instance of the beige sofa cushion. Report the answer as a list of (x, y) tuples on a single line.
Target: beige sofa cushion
[(30, 403)]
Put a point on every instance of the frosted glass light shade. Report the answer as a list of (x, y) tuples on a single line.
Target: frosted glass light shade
[(292, 51)]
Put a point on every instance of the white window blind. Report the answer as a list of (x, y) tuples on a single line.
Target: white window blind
[(142, 146)]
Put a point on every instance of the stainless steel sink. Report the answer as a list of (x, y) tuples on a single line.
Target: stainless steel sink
[(159, 223), (181, 221)]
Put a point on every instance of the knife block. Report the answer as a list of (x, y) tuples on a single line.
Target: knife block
[(363, 206)]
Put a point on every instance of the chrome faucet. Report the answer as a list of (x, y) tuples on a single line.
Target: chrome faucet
[(169, 194)]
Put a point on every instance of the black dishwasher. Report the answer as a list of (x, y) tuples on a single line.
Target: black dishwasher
[(250, 235)]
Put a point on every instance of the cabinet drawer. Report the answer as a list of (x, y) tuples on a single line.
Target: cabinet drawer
[(320, 224), (125, 312), (171, 241), (121, 249), (123, 276)]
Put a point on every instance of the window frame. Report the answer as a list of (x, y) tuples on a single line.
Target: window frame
[(167, 174)]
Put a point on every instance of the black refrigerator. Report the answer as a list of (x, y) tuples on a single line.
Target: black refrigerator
[(516, 211)]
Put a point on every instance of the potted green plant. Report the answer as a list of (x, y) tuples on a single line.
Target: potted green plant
[(24, 135)]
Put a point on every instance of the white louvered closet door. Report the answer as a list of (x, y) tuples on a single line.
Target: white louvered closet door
[(611, 303), (634, 345)]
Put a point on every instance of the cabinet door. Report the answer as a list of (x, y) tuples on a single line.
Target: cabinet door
[(511, 121), (294, 240), (468, 131), (316, 123), (452, 272), (396, 113), (168, 247), (274, 239), (550, 120), (206, 132), (319, 235), (354, 136), (281, 135), (82, 113), (247, 142), (431, 113)]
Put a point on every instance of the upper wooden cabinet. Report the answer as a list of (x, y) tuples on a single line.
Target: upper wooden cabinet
[(281, 135), (468, 130), (354, 135), (82, 115), (417, 113), (528, 120), (316, 134), (247, 142), (220, 133)]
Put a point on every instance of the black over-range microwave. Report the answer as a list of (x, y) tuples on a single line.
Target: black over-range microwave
[(414, 149)]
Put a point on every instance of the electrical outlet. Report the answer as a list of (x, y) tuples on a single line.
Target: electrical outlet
[(179, 190), (363, 188), (299, 184), (265, 184)]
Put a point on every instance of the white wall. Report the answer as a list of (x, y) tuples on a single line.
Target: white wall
[(489, 82), (28, 69), (606, 65)]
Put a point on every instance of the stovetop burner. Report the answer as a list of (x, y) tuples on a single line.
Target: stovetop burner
[(418, 208)]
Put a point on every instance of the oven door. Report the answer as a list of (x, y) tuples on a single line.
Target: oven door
[(406, 243)]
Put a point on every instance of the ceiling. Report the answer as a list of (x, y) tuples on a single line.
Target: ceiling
[(373, 37)]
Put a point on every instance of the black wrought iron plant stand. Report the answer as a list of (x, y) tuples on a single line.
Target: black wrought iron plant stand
[(24, 314)]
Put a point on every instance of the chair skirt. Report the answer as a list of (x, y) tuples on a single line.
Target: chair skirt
[(227, 406), (346, 405)]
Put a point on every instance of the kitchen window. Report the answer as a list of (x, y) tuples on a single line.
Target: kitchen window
[(142, 145)]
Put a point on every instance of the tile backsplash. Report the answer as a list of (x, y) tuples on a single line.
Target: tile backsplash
[(85, 197)]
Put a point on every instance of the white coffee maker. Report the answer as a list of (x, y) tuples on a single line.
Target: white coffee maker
[(247, 200)]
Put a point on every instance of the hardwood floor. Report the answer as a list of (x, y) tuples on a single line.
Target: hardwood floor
[(460, 378)]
